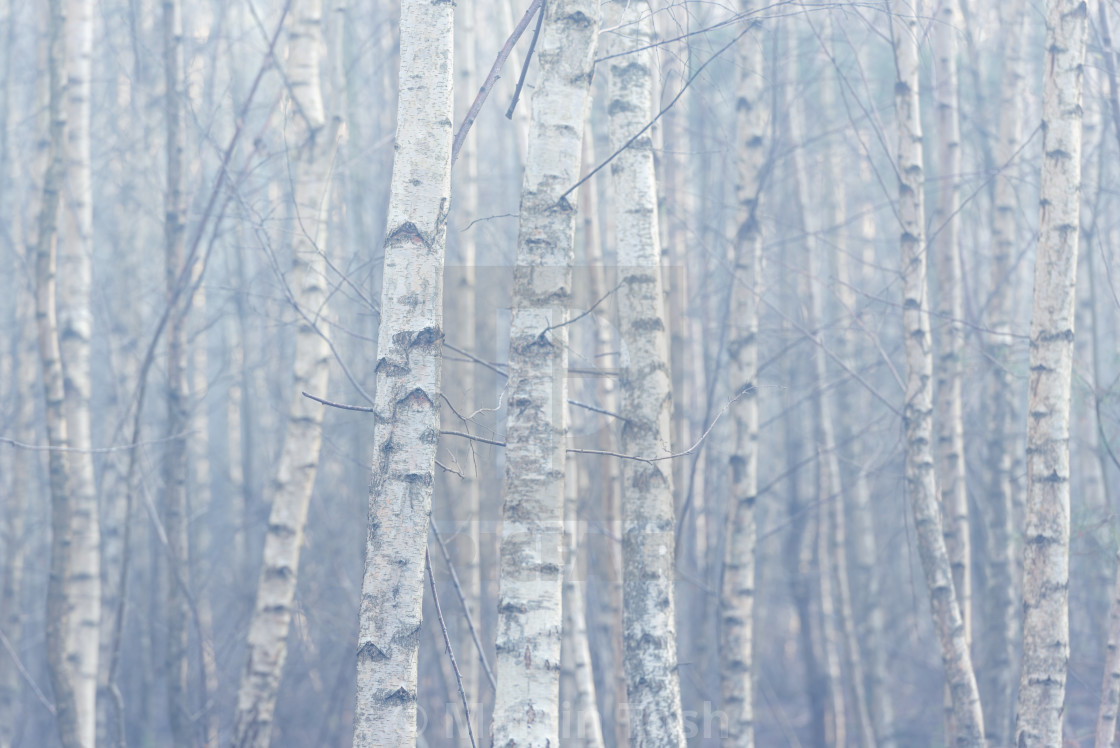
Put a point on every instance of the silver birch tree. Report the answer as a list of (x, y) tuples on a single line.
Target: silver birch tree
[(46, 316), (527, 703), (1002, 614), (648, 520), (406, 403), (921, 482), (75, 319), (737, 591), (1042, 679), (312, 140), (945, 247)]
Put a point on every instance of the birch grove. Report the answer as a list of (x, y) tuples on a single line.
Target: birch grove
[(436, 374)]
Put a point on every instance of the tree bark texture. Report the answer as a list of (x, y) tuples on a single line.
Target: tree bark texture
[(648, 519), (1042, 679), (737, 589), (406, 403), (921, 482), (312, 143), (526, 708)]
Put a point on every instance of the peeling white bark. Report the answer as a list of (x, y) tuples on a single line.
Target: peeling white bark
[(1046, 555), (406, 404), (526, 707), (918, 411), (648, 520)]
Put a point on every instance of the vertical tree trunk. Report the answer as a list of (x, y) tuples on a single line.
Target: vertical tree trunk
[(869, 572), (948, 407), (526, 708), (22, 375), (465, 499), (178, 610), (1001, 613), (606, 615), (75, 322), (918, 412), (46, 262), (649, 611), (313, 141), (583, 728), (1046, 556), (199, 506), (409, 359), (23, 494), (737, 589), (829, 490), (1110, 687)]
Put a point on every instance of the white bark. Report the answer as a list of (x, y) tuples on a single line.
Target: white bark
[(1001, 613), (1046, 555), (945, 248), (75, 322), (311, 142), (46, 262), (918, 412), (649, 610), (526, 708), (736, 610), (406, 404)]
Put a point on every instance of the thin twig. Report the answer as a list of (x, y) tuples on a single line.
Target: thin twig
[(491, 79), (26, 675), (94, 450), (447, 641), (525, 65), (653, 121), (472, 437), (340, 406), (466, 608), (585, 312)]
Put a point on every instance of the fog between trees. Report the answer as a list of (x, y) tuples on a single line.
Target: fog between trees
[(744, 375)]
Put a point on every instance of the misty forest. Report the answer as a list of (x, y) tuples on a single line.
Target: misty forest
[(559, 373)]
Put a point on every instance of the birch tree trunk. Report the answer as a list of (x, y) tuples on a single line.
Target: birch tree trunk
[(737, 589), (23, 493), (945, 248), (829, 491), (606, 614), (526, 706), (75, 321), (648, 519), (918, 412), (178, 609), (584, 728), (313, 141), (465, 497), (1110, 686), (406, 405), (1001, 614), (22, 373), (1042, 680), (46, 262), (869, 572)]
